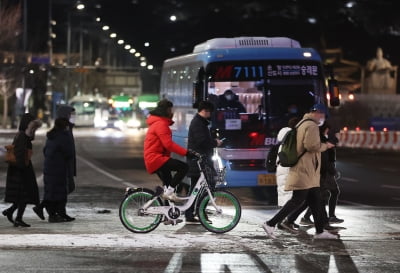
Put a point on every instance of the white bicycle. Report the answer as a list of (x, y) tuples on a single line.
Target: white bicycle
[(219, 211)]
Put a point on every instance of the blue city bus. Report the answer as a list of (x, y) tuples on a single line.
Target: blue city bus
[(267, 75)]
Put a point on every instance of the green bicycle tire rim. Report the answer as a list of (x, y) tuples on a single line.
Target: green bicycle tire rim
[(128, 223), (234, 202)]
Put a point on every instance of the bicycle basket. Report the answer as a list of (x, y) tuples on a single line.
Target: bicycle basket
[(214, 177)]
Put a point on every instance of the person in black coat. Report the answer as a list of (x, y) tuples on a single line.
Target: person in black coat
[(200, 141), (21, 184), (59, 167)]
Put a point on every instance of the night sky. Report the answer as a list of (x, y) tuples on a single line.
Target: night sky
[(358, 30)]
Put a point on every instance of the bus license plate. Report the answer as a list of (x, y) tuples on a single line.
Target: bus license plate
[(266, 179)]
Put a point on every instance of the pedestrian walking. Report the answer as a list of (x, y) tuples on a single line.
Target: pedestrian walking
[(327, 185), (283, 172), (200, 141), (158, 146), (21, 185), (59, 167), (304, 178)]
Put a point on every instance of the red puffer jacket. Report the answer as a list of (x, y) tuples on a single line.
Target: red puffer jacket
[(158, 143)]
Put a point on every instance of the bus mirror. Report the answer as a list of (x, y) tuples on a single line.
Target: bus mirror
[(334, 99), (197, 93)]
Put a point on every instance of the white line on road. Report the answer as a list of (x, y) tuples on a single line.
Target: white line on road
[(348, 179), (391, 187), (175, 263), (355, 204), (104, 172), (393, 170)]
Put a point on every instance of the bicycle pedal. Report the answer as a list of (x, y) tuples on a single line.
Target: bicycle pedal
[(171, 222)]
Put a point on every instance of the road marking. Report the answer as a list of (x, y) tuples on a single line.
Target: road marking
[(104, 172), (393, 170), (348, 179), (391, 187), (175, 263), (393, 226), (355, 204)]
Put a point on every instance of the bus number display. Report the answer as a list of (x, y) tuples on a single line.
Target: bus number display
[(237, 72), (256, 72)]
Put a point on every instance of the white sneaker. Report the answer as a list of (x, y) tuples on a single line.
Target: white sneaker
[(326, 235), (169, 193), (269, 230)]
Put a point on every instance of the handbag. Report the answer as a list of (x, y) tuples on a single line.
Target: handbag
[(10, 155)]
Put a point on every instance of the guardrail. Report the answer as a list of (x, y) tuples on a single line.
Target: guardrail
[(383, 140)]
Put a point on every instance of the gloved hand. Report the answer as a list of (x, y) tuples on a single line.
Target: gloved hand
[(191, 153)]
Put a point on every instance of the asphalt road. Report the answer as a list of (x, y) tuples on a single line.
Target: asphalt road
[(109, 161)]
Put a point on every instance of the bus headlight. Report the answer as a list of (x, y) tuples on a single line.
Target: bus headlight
[(119, 124)]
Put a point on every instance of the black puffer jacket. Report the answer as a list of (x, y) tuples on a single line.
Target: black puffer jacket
[(58, 157)]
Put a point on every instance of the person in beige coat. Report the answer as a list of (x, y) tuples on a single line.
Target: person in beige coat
[(303, 178)]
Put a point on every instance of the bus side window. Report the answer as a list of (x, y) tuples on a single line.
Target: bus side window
[(197, 93)]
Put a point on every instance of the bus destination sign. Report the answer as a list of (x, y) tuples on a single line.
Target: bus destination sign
[(232, 72)]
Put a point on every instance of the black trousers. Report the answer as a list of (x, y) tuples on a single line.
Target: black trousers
[(312, 197), (328, 197), (172, 165), (55, 207), (191, 212)]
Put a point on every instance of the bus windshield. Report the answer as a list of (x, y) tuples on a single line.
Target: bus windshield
[(260, 104), (84, 107)]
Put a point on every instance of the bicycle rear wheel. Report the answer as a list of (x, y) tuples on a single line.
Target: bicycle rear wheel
[(223, 218), (131, 215)]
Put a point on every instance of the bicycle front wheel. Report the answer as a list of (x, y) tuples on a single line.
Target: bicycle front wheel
[(131, 215), (224, 216)]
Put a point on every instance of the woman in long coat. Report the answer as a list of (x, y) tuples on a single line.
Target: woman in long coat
[(21, 185)]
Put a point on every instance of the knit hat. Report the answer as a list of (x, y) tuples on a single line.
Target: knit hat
[(162, 108)]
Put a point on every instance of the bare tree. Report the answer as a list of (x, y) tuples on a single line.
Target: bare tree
[(6, 91), (10, 27)]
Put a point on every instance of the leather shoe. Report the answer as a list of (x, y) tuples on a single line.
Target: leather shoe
[(56, 219), (20, 223), (39, 212), (67, 218), (8, 214)]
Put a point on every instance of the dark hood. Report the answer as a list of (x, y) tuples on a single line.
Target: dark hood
[(64, 111), (25, 119)]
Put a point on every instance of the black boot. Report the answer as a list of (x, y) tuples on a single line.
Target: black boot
[(20, 212), (55, 218), (9, 213), (62, 211), (20, 223), (67, 218), (39, 211)]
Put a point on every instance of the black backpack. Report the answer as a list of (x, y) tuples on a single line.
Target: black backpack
[(270, 162), (288, 155)]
